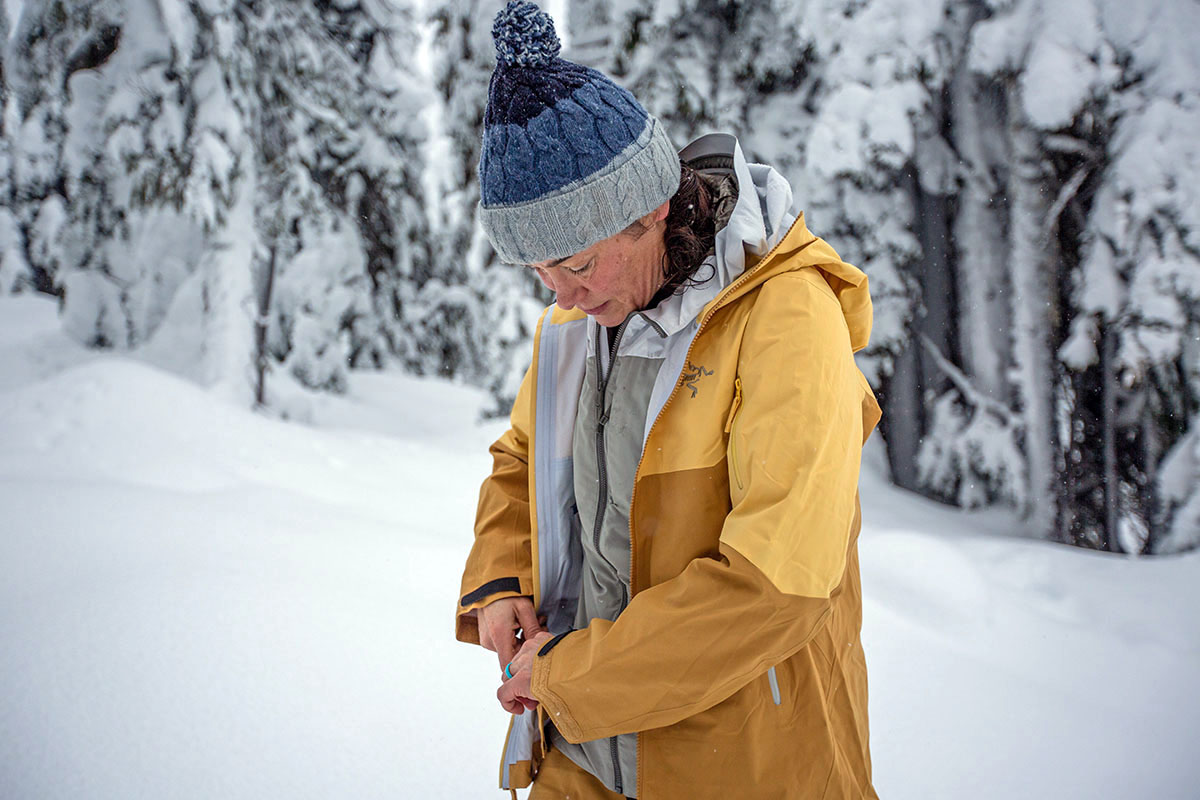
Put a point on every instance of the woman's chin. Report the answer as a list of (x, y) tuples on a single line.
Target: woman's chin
[(604, 314)]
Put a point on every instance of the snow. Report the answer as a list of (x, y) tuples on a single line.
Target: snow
[(859, 126), (227, 606), (198, 601), (12, 8), (13, 266)]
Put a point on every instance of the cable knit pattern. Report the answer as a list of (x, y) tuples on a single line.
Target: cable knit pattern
[(568, 157), (576, 137)]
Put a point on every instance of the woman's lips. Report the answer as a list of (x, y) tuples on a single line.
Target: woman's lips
[(591, 312)]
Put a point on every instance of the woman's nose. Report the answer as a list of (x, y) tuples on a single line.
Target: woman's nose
[(566, 291)]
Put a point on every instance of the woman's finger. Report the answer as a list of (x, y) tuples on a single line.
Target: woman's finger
[(500, 632), (514, 695), (507, 649), (508, 700), (528, 619)]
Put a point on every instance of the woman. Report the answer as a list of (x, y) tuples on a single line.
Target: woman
[(665, 554)]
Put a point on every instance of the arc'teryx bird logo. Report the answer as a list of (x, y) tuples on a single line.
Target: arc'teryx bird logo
[(692, 373)]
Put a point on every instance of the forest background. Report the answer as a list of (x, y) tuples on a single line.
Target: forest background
[(263, 196)]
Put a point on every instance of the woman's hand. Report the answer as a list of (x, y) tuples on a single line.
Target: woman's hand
[(514, 694), (499, 622)]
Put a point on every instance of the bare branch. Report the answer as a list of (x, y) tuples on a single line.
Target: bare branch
[(1061, 143), (1065, 195), (965, 388)]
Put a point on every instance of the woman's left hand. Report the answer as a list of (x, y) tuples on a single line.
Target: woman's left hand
[(514, 693)]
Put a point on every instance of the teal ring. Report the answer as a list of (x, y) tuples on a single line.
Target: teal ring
[(508, 670)]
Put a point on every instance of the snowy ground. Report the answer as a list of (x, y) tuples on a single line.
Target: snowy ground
[(198, 602)]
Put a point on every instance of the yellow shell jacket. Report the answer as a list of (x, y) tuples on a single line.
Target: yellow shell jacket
[(738, 661)]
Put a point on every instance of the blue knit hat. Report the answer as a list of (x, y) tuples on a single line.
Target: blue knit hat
[(569, 158)]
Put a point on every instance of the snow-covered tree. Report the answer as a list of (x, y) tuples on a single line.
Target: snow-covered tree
[(1062, 112), (191, 142), (323, 87), (14, 270), (873, 179), (121, 171), (1131, 345)]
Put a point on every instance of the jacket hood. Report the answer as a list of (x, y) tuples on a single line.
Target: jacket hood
[(799, 249)]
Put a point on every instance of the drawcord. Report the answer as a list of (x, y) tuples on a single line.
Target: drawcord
[(657, 328), (542, 730)]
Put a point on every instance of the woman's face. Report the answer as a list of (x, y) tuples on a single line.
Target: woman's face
[(615, 276)]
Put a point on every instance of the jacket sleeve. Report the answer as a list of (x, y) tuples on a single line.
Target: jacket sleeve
[(500, 563), (688, 643)]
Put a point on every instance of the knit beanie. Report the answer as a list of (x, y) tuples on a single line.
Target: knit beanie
[(569, 158)]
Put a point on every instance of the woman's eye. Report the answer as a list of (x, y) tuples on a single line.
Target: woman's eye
[(579, 270)]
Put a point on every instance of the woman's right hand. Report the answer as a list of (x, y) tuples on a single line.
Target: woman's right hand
[(499, 623)]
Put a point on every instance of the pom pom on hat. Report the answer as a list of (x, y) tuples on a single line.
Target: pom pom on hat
[(525, 36)]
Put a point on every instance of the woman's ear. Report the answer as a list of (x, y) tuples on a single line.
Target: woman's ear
[(660, 213)]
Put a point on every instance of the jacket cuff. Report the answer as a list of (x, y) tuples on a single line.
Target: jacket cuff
[(466, 623), (539, 687)]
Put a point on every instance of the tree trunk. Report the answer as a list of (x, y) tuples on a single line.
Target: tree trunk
[(935, 274), (978, 227), (1112, 478), (266, 287), (902, 417), (1033, 266)]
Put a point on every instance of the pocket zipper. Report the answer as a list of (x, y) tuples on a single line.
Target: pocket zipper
[(733, 457)]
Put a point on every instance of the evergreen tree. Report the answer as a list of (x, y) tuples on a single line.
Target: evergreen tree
[(873, 179), (194, 139), (330, 89), (14, 271), (118, 182), (1136, 295)]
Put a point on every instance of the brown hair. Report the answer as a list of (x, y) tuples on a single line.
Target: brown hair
[(691, 230), (690, 235)]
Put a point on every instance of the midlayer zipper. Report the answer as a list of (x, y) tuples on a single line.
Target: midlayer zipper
[(602, 379)]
